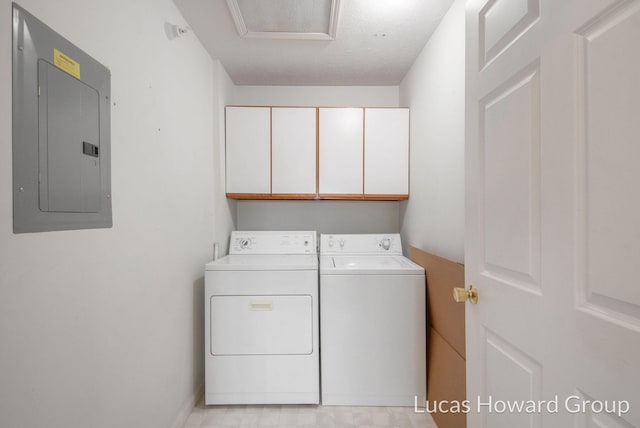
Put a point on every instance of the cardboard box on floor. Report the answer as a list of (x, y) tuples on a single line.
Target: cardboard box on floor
[(446, 375)]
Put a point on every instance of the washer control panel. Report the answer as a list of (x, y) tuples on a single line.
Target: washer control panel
[(272, 242), (388, 243)]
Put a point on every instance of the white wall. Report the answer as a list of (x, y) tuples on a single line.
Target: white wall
[(97, 326), (433, 218), (225, 209), (224, 212), (322, 216), (327, 96)]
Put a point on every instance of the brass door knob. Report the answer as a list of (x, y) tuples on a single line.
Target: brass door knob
[(461, 295)]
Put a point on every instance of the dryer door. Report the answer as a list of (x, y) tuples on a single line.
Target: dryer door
[(261, 325)]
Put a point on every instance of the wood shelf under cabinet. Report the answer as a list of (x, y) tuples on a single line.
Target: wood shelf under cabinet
[(308, 197)]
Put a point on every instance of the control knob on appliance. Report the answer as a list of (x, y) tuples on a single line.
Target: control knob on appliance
[(386, 244), (245, 243)]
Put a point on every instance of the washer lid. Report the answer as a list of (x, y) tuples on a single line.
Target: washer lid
[(241, 262), (368, 265)]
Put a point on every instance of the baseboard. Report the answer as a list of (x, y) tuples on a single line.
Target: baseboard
[(188, 406)]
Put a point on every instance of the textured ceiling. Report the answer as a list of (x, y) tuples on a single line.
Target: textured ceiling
[(376, 41)]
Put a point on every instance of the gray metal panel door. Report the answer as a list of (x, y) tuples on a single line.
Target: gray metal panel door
[(61, 132), (69, 177)]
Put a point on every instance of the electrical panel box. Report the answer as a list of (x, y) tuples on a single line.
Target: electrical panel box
[(61, 132)]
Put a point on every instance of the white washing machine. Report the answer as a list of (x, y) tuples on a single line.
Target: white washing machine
[(372, 322), (261, 321)]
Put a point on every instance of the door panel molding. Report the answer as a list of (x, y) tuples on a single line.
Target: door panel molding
[(606, 154), (509, 374), (590, 419), (510, 175), (496, 35)]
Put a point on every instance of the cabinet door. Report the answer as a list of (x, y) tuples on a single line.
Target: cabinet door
[(248, 150), (386, 151), (293, 151), (341, 147)]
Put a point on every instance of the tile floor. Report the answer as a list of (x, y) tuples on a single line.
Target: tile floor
[(306, 417)]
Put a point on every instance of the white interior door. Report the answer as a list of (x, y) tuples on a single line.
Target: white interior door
[(552, 212)]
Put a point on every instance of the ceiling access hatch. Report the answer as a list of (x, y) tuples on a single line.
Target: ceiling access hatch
[(286, 19)]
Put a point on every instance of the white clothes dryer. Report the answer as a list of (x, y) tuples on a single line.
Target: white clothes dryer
[(261, 321), (372, 322)]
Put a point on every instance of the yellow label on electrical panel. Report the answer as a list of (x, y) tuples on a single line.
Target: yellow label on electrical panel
[(65, 63)]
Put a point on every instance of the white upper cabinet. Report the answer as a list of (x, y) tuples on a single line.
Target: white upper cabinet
[(386, 154), (293, 151), (325, 153), (248, 150), (341, 151)]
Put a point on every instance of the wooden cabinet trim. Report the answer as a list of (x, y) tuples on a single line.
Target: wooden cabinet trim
[(293, 196), (313, 196), (386, 197), (249, 195)]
